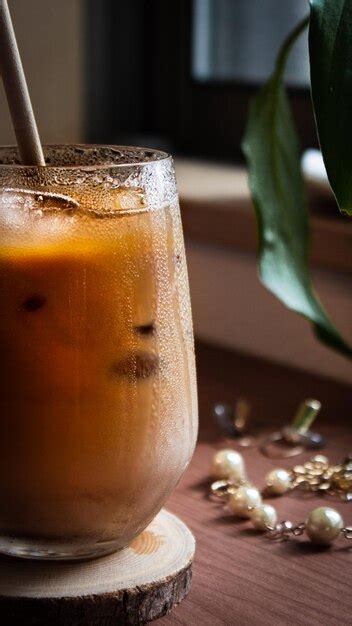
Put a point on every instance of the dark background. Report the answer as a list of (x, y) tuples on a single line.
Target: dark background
[(140, 88)]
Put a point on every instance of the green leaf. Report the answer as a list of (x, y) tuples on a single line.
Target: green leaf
[(330, 49), (275, 179)]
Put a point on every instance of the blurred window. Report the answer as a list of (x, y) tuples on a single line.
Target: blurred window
[(237, 40), (180, 75)]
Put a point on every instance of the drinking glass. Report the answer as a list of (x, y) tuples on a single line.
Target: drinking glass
[(98, 406)]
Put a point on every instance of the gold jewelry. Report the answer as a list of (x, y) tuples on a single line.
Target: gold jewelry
[(316, 475), (297, 436), (290, 440), (322, 526)]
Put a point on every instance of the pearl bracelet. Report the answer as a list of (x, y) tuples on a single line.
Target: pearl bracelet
[(317, 475), (323, 525)]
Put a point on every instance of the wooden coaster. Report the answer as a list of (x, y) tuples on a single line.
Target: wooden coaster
[(136, 585)]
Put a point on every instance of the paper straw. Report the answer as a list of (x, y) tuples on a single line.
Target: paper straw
[(17, 94)]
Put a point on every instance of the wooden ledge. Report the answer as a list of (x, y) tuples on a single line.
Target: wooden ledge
[(216, 209)]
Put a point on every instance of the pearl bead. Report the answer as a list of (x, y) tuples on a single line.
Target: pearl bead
[(278, 481), (263, 516), (244, 500), (228, 463), (321, 458), (323, 525)]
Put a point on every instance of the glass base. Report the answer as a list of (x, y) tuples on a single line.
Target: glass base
[(55, 550)]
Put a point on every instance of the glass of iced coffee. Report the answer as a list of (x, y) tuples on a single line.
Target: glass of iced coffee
[(98, 407)]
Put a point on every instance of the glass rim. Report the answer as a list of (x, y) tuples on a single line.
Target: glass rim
[(148, 156)]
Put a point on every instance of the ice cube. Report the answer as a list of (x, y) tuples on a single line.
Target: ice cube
[(42, 201), (118, 201), (128, 198), (15, 207), (35, 213)]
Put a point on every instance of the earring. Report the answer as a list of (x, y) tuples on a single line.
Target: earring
[(297, 436)]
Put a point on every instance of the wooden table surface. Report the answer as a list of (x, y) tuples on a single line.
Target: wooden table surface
[(239, 576)]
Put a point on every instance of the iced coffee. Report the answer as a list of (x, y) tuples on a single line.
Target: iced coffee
[(97, 388)]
